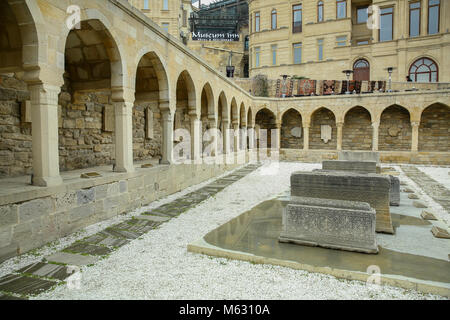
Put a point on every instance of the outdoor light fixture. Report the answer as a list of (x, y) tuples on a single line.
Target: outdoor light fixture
[(390, 70), (348, 73), (284, 88)]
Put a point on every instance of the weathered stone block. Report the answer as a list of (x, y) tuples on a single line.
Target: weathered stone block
[(85, 196), (35, 208), (339, 185), (336, 224), (8, 215), (359, 156), (394, 191), (353, 166)]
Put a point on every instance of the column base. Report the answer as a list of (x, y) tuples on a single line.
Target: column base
[(46, 181), (123, 169)]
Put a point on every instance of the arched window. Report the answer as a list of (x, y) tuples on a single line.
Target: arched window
[(320, 11), (361, 70), (424, 70), (274, 19)]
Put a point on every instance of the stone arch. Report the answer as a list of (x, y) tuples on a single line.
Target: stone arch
[(318, 136), (357, 130), (434, 128), (291, 129), (151, 98), (242, 117), (264, 119), (250, 123), (93, 75), (234, 111), (395, 129)]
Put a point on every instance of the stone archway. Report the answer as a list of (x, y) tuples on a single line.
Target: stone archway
[(395, 129), (434, 129), (357, 130), (291, 130), (264, 120), (323, 130)]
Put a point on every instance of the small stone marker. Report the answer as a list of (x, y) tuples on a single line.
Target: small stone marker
[(394, 191), (419, 204), (440, 233), (427, 215), (353, 166), (89, 175), (413, 196), (335, 224), (147, 165)]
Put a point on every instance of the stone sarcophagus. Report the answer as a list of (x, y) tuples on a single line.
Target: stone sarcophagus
[(359, 156), (394, 191), (340, 185), (335, 224), (352, 166)]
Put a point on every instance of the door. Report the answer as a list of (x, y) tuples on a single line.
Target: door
[(361, 70)]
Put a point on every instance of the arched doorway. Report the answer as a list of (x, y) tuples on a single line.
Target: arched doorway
[(424, 70), (361, 70)]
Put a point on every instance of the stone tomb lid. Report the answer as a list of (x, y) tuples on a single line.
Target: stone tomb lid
[(332, 203)]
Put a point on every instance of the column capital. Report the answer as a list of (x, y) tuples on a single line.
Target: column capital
[(339, 124), (415, 124), (376, 124), (167, 115), (306, 124)]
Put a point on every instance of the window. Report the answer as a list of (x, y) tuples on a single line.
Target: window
[(341, 41), (184, 18), (424, 70), (414, 19), (362, 15), (386, 31), (256, 21), (341, 9), (146, 6), (165, 4), (297, 18), (362, 42), (246, 42), (434, 8), (320, 11), (320, 49), (274, 54), (297, 53), (165, 27), (274, 19), (257, 56)]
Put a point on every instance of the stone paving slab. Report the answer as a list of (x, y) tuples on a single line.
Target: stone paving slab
[(8, 297), (47, 270), (150, 217), (72, 259), (87, 248), (121, 233), (24, 285)]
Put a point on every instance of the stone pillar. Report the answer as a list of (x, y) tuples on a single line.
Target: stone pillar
[(243, 136), (44, 118), (375, 126), (167, 137), (196, 138), (251, 138), (123, 136), (339, 126), (226, 136), (415, 136), (236, 137), (278, 135), (306, 137)]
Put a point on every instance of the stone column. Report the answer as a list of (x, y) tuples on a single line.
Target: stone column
[(243, 136), (226, 136), (236, 137), (306, 137), (278, 135), (167, 136), (415, 136), (123, 136), (339, 126), (251, 138), (196, 138), (44, 118), (375, 126)]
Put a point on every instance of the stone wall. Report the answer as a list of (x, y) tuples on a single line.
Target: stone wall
[(144, 146), (290, 138), (434, 129), (265, 119), (322, 117), (61, 211), (395, 129), (15, 133), (86, 137), (357, 131)]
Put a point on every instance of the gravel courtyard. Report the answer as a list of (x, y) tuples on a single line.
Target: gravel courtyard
[(158, 266)]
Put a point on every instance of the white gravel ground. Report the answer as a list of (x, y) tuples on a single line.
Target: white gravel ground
[(158, 266)]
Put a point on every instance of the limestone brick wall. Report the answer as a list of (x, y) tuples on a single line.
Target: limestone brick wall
[(434, 129), (291, 120), (265, 120), (84, 141), (58, 212), (322, 117), (357, 131), (15, 134), (395, 129), (144, 146)]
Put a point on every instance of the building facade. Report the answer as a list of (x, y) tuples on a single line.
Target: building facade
[(321, 39)]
